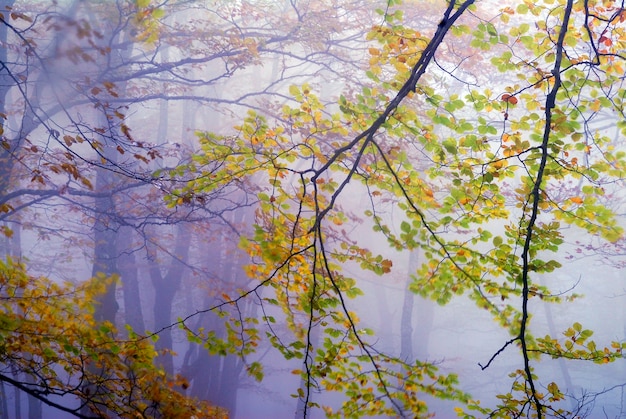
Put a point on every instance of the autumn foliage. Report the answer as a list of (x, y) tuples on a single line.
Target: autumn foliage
[(477, 173), (483, 141), (49, 333)]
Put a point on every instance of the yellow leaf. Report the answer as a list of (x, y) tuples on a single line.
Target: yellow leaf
[(595, 105), (86, 182)]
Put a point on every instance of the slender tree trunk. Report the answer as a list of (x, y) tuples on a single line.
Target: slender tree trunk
[(34, 408), (424, 313), (106, 224), (385, 331), (163, 302), (217, 378), (165, 289), (17, 402), (133, 314), (201, 371), (105, 260), (105, 243), (6, 82), (206, 370), (4, 414), (231, 367), (406, 326)]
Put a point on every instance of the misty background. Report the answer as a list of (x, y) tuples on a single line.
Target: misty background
[(106, 106)]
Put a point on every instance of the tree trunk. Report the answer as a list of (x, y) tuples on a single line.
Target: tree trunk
[(17, 403), (105, 245), (133, 314), (34, 408), (166, 287), (6, 82), (406, 326), (424, 313)]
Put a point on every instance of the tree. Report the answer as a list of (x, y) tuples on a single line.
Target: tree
[(493, 178)]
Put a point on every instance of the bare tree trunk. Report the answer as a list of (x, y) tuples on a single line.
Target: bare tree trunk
[(133, 314), (105, 258), (165, 288), (6, 82), (4, 414), (34, 407), (217, 378), (406, 326), (105, 242), (106, 224), (424, 313), (385, 331), (17, 402)]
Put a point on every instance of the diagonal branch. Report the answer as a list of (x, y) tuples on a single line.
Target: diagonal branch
[(409, 86)]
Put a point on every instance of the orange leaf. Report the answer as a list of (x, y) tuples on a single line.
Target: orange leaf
[(509, 99), (386, 265)]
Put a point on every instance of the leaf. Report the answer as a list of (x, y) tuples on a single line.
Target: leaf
[(8, 232), (450, 146), (294, 90), (386, 265), (509, 99)]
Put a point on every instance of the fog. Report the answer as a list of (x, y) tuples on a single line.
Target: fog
[(218, 160)]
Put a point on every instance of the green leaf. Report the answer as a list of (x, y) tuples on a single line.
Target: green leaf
[(450, 145), (406, 227)]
